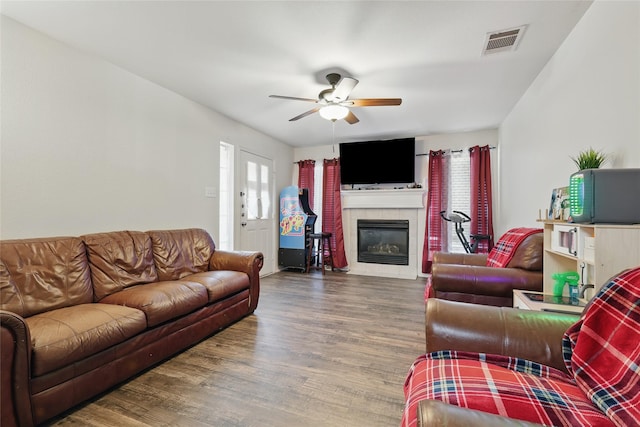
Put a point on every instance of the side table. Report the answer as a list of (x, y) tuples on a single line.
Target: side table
[(539, 301)]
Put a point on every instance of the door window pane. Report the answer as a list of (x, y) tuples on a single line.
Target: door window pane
[(265, 203), (253, 211)]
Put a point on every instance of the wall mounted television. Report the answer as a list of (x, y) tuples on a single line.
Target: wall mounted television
[(389, 161)]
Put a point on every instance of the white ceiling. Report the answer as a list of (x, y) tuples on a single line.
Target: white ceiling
[(231, 55)]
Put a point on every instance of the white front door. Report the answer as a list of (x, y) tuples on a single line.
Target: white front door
[(256, 207)]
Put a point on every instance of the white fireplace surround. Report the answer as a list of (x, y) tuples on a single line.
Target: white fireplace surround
[(406, 204)]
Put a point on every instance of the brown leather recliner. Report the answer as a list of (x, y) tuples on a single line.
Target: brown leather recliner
[(466, 277)]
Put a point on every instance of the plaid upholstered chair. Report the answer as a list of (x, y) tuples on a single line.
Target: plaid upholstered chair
[(501, 366), (515, 262)]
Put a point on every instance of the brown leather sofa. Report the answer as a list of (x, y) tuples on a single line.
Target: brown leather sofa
[(530, 335), (79, 315), (466, 278)]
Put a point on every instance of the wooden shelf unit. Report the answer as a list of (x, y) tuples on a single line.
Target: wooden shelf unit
[(602, 249)]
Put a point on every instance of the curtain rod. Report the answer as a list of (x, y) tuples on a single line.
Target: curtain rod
[(452, 151), (426, 154)]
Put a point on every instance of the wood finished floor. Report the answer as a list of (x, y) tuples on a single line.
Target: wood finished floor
[(318, 351)]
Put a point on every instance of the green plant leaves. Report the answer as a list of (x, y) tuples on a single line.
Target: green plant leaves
[(589, 159)]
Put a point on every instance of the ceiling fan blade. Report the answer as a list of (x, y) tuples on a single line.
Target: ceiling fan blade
[(344, 88), (305, 114), (351, 118), (374, 102), (295, 98)]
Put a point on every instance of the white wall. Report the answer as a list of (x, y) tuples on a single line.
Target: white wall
[(89, 147), (588, 95)]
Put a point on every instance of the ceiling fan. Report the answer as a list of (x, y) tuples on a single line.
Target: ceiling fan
[(333, 103)]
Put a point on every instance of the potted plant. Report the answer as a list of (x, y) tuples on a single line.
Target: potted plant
[(589, 159)]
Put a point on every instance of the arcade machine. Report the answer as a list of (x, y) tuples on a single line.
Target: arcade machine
[(297, 221)]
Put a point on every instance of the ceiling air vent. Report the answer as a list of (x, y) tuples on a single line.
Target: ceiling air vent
[(502, 41)]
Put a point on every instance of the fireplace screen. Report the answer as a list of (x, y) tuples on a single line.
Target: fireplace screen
[(383, 241)]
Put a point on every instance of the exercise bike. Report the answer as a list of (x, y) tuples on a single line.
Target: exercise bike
[(459, 218)]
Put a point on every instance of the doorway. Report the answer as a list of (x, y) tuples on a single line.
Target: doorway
[(255, 193)]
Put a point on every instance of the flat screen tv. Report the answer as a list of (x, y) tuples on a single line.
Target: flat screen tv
[(378, 162)]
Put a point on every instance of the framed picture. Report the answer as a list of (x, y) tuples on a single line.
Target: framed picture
[(559, 206)]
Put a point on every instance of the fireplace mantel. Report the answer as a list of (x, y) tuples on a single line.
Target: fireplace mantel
[(405, 198), (389, 204)]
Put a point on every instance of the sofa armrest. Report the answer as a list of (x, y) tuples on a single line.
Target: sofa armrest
[(439, 414), (249, 262), (531, 335), (15, 362), (459, 258), (246, 261), (479, 280)]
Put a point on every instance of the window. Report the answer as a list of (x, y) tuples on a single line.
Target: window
[(258, 199), (225, 233), (317, 195), (459, 195)]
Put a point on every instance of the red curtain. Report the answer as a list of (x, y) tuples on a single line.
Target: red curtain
[(435, 234), (332, 210), (306, 170), (481, 210)]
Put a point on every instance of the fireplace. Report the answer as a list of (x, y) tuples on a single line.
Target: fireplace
[(383, 241)]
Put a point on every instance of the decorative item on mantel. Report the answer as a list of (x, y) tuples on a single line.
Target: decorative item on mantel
[(589, 159)]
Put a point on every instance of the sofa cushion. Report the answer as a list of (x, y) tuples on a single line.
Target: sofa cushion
[(178, 253), (601, 350), (221, 284), (118, 260), (500, 385), (67, 335), (37, 275), (161, 301)]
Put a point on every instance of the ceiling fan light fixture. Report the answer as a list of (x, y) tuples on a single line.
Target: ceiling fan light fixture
[(334, 112), (332, 104)]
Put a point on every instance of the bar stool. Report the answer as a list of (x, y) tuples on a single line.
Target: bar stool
[(324, 241)]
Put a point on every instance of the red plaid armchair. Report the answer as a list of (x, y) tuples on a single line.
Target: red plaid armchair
[(501, 366)]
